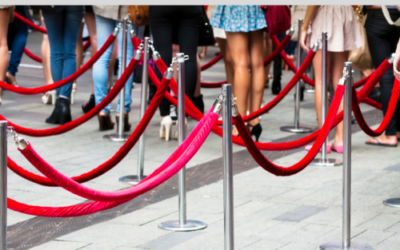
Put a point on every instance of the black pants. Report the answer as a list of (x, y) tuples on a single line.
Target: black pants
[(181, 25), (382, 41)]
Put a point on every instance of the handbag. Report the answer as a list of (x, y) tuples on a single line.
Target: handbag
[(361, 57), (297, 12), (206, 35), (388, 18), (139, 14), (277, 18)]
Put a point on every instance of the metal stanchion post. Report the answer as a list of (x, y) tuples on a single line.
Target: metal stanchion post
[(134, 179), (309, 88), (228, 171), (182, 225), (324, 161), (120, 136), (3, 184), (346, 244), (297, 128)]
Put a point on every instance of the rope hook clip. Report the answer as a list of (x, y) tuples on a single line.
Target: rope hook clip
[(19, 141)]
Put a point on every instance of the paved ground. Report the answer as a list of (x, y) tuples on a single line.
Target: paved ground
[(297, 212)]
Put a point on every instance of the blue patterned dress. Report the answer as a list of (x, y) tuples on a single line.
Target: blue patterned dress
[(239, 18)]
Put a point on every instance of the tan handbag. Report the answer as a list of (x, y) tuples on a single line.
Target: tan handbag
[(361, 57), (139, 14), (297, 12)]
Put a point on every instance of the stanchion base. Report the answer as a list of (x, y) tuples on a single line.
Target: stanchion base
[(299, 129), (327, 162), (116, 137), (191, 225), (309, 90), (339, 246), (393, 202), (130, 179)]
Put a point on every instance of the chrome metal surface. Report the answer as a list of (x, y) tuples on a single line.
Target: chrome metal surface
[(143, 106), (32, 66), (228, 172), (190, 225), (339, 246), (324, 88), (131, 179), (3, 184), (168, 73), (327, 162), (393, 202), (391, 58), (294, 129), (116, 137)]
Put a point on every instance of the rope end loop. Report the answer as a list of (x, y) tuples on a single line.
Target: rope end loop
[(235, 110), (291, 31), (218, 104), (168, 73), (138, 54), (156, 55), (132, 33), (116, 30), (21, 143), (391, 58), (315, 47)]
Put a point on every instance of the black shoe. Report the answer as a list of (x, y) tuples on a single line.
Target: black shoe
[(255, 130), (302, 88), (198, 102), (87, 106), (276, 87), (61, 113)]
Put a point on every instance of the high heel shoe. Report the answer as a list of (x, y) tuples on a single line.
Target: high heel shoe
[(49, 97), (73, 92), (127, 125), (61, 113), (10, 79), (256, 130), (165, 128), (87, 106), (105, 122), (177, 128)]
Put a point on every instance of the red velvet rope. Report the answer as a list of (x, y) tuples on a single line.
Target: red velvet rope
[(86, 45), (212, 62), (69, 79), (29, 23), (286, 171), (75, 123), (212, 85), (163, 173), (388, 116), (115, 159), (32, 56)]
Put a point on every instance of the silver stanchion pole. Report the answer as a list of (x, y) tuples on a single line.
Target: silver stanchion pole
[(182, 225), (3, 184), (324, 161), (134, 179), (228, 171), (309, 88), (120, 136), (346, 244), (297, 128)]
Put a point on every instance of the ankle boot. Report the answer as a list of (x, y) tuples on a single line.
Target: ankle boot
[(87, 106), (61, 113), (198, 102), (127, 125), (105, 122), (54, 118)]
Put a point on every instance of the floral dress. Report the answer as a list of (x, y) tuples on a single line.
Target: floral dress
[(239, 18)]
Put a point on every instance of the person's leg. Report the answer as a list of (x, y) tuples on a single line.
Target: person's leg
[(91, 26), (45, 53), (239, 48), (276, 83), (19, 42), (268, 51), (4, 17), (227, 57), (337, 61), (257, 72), (79, 48), (104, 27), (71, 27), (318, 84)]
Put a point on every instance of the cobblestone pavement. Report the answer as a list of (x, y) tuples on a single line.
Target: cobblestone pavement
[(297, 212)]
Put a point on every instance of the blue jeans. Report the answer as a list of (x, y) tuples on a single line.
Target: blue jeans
[(16, 38), (63, 26), (104, 27)]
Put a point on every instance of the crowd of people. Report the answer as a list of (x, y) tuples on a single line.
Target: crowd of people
[(239, 31)]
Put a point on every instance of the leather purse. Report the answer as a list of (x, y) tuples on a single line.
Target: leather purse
[(361, 57), (277, 18), (139, 14), (206, 35)]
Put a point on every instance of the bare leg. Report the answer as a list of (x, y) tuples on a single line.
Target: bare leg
[(239, 48), (227, 57), (203, 52), (4, 17), (268, 51), (91, 26), (257, 72), (197, 91), (45, 53), (79, 51)]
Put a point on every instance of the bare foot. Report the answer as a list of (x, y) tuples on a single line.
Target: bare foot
[(383, 139)]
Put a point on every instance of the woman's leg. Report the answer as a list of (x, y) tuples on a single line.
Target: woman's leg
[(227, 57), (4, 17), (79, 48), (104, 27), (318, 84), (91, 26), (71, 27), (45, 53), (337, 60), (257, 72), (268, 51), (239, 48)]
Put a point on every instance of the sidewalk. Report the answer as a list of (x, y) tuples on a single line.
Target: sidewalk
[(297, 212)]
